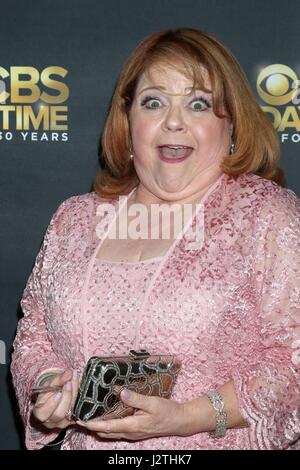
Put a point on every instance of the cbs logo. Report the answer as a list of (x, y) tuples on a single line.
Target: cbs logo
[(278, 85), (28, 90)]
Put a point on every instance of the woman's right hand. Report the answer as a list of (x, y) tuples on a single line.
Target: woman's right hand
[(52, 408)]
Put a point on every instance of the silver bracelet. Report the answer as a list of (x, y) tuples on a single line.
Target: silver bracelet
[(221, 416)]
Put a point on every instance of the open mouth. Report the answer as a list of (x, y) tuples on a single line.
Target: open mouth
[(174, 152)]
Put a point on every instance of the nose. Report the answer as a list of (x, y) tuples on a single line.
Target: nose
[(173, 120)]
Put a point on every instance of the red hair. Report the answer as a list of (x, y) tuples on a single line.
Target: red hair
[(189, 51)]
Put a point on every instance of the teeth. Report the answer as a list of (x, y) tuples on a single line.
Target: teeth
[(174, 151), (174, 147)]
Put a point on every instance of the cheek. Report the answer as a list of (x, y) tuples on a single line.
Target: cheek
[(143, 127), (210, 131), (143, 133)]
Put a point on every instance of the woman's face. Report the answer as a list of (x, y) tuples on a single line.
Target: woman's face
[(166, 112)]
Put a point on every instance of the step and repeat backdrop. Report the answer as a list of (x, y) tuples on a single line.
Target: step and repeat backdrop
[(59, 63)]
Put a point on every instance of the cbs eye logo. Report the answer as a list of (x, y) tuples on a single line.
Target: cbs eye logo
[(277, 84)]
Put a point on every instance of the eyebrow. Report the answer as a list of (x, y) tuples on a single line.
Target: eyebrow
[(159, 87)]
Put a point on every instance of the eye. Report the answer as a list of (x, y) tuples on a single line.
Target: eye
[(200, 104), (151, 102)]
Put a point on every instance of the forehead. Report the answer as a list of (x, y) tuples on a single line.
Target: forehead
[(173, 80)]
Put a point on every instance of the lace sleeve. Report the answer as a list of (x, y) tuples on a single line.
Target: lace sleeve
[(268, 388), (32, 348)]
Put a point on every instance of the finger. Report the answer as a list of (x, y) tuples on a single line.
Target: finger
[(43, 398), (136, 400), (63, 378), (58, 380), (43, 411), (124, 425), (64, 404), (115, 436), (75, 386)]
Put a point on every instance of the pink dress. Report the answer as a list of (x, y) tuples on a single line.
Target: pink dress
[(228, 307)]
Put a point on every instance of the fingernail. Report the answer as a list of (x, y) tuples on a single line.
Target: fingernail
[(80, 423), (74, 375), (68, 386), (57, 396), (125, 394)]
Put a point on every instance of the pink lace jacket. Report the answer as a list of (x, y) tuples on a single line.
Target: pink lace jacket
[(229, 308)]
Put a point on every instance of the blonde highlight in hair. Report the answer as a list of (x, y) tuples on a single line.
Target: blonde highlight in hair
[(191, 52)]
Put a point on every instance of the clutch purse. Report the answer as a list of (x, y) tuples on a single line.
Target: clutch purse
[(105, 377)]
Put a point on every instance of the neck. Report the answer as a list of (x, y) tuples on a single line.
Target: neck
[(143, 196)]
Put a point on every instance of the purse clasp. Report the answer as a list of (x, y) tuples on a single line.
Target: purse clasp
[(141, 354)]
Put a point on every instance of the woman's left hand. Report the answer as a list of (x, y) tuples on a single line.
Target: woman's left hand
[(154, 417)]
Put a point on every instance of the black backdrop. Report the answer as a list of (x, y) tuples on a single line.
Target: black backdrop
[(90, 40)]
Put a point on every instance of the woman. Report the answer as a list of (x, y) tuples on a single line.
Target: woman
[(184, 128)]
